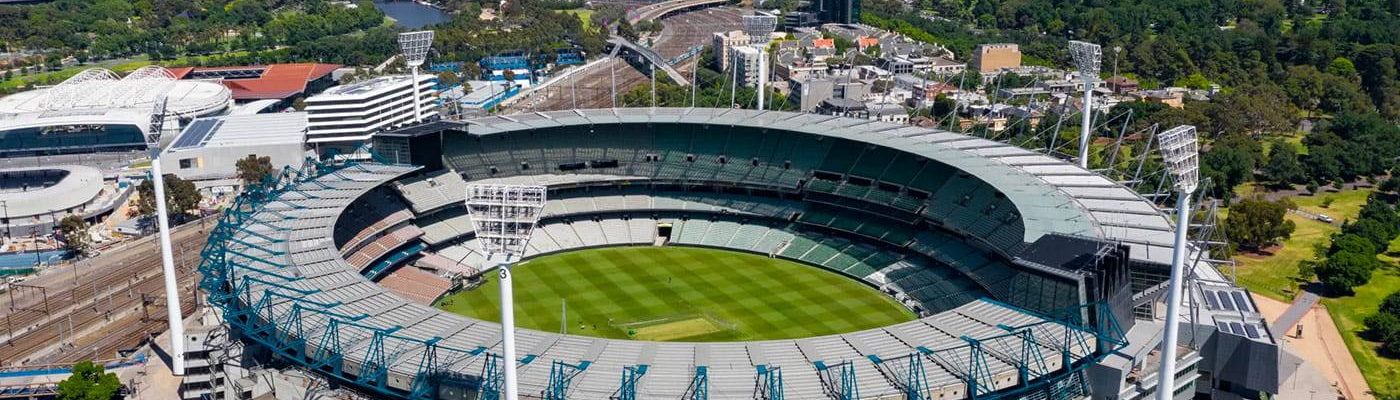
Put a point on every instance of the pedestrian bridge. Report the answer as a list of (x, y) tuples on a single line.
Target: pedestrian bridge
[(651, 57)]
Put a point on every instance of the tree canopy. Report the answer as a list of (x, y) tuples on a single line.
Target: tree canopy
[(89, 382), (253, 169), (74, 231), (181, 197), (1256, 223)]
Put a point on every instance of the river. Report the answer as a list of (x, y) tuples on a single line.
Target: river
[(411, 15)]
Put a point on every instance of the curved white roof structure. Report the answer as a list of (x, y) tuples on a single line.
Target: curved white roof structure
[(100, 97)]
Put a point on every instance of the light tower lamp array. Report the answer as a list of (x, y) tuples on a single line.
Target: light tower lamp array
[(1179, 154), (759, 27), (414, 46), (504, 216), (1087, 57)]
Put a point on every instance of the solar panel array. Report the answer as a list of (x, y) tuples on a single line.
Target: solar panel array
[(1227, 300), (197, 133)]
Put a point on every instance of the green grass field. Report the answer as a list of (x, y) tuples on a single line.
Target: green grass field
[(682, 294), (1276, 276)]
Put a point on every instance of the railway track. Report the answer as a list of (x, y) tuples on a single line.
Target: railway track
[(89, 311), (593, 89)]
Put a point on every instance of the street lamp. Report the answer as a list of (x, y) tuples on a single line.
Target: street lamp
[(414, 46), (504, 216), (172, 295), (1179, 153), (1087, 57)]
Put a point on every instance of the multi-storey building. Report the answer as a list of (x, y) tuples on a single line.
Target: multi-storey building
[(724, 42), (993, 57), (349, 114)]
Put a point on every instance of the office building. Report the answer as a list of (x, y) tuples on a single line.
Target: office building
[(349, 114), (208, 149)]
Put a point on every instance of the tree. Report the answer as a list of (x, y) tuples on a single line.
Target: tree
[(253, 169), (1345, 270), (74, 231), (1392, 184), (1283, 166), (181, 196), (1352, 243), (1256, 223), (1376, 231), (89, 382), (449, 79)]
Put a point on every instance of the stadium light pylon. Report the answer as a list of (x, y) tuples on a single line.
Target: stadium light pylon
[(1087, 58), (760, 27), (414, 46), (504, 216), (1179, 153), (167, 261)]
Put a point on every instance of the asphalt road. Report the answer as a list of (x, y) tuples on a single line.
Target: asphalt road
[(593, 88)]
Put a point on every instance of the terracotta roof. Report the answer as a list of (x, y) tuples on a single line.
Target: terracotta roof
[(824, 43), (278, 81), (866, 41)]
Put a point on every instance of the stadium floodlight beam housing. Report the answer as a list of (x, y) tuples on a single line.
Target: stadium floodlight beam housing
[(414, 47), (167, 262), (760, 27), (504, 216), (1087, 57), (1179, 154)]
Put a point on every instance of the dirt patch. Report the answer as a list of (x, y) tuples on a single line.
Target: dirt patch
[(678, 329), (1321, 345)]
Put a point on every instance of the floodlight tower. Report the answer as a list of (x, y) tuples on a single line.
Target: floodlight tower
[(414, 46), (167, 262), (759, 27), (1178, 147), (1087, 57), (504, 216)]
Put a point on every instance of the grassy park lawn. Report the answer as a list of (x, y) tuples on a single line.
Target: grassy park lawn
[(1275, 276), (584, 15), (682, 294)]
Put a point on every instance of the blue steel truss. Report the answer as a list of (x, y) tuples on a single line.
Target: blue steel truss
[(699, 385), (631, 375), (239, 272), (491, 376), (838, 381), (769, 383), (906, 373), (561, 374)]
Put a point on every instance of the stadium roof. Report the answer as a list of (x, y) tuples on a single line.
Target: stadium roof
[(242, 130), (260, 82), (1052, 196), (99, 97), (79, 187)]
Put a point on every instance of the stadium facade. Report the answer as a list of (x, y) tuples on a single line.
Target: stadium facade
[(1033, 278), (96, 110)]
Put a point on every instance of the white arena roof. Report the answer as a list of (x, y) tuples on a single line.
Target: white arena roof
[(98, 96), (79, 186)]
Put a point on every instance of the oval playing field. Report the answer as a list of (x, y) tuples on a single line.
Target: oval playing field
[(682, 294)]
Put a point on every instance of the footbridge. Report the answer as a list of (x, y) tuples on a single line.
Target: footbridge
[(650, 57), (666, 8)]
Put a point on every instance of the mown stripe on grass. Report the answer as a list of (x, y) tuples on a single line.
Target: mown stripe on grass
[(759, 297)]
